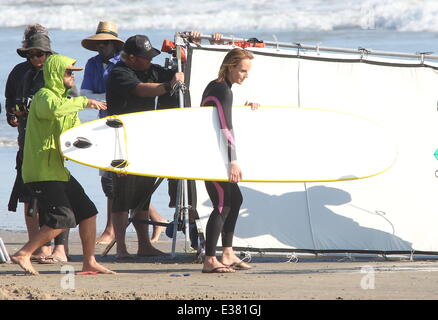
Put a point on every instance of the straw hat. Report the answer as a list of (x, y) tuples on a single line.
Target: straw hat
[(106, 30)]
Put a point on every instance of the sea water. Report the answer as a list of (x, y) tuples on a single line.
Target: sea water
[(401, 26)]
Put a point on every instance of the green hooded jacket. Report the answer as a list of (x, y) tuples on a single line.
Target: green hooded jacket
[(51, 113)]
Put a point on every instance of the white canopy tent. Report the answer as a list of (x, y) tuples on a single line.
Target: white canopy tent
[(394, 212)]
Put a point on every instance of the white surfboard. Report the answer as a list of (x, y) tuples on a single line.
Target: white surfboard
[(274, 144)]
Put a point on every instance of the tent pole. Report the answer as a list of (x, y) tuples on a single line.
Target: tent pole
[(4, 256), (182, 194), (420, 55), (178, 206)]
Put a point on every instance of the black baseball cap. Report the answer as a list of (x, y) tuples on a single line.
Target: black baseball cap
[(140, 46)]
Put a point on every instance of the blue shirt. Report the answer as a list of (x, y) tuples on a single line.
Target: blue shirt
[(96, 76)]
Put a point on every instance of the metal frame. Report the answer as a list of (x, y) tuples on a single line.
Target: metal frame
[(422, 56), (182, 198), (4, 256)]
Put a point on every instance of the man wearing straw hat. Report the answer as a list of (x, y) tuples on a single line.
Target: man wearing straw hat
[(97, 69), (108, 45)]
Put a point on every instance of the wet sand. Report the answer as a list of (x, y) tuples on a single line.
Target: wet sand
[(180, 278)]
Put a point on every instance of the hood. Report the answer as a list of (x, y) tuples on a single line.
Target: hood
[(54, 69)]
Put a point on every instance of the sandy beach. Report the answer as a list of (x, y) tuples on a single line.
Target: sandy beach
[(180, 278)]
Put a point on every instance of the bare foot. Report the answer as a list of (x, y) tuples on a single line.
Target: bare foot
[(212, 264), (105, 238), (96, 267), (157, 230), (234, 262), (42, 252), (150, 252), (25, 264), (59, 254)]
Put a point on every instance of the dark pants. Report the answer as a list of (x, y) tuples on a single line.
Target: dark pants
[(227, 199)]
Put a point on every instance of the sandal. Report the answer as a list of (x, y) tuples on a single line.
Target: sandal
[(51, 260), (218, 270)]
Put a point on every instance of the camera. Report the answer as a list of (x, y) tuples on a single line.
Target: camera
[(22, 106)]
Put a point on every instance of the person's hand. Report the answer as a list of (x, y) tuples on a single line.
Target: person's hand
[(195, 36), (235, 172), (12, 119), (254, 105), (216, 38), (178, 77), (96, 104), (121, 174)]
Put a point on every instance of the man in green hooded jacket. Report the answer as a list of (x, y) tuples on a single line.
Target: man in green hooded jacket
[(62, 201)]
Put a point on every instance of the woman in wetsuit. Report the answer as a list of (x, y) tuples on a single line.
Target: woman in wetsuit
[(225, 196)]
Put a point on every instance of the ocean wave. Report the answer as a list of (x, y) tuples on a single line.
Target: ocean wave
[(225, 15), (6, 142)]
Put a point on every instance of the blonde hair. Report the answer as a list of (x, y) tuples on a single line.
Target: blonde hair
[(232, 59)]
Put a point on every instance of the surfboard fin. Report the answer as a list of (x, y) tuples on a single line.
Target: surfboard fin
[(114, 123), (119, 163), (82, 143)]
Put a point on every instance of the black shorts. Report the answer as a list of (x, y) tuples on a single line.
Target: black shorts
[(20, 192), (62, 204), (129, 191), (107, 186)]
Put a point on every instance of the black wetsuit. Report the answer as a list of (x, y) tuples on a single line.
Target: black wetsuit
[(225, 196), (30, 83), (13, 92), (13, 88)]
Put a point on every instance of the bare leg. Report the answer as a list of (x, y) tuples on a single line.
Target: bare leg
[(120, 221), (60, 251), (155, 216), (87, 232), (22, 257), (33, 227), (108, 234), (145, 247), (32, 223), (66, 247)]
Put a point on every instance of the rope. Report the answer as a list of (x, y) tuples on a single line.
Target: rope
[(292, 257), (247, 256), (125, 162), (178, 86), (363, 52)]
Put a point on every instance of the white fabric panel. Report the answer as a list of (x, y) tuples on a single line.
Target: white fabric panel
[(270, 79), (394, 211), (278, 219), (403, 99)]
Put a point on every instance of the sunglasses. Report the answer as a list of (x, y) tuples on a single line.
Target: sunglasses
[(104, 42), (69, 72), (38, 55)]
